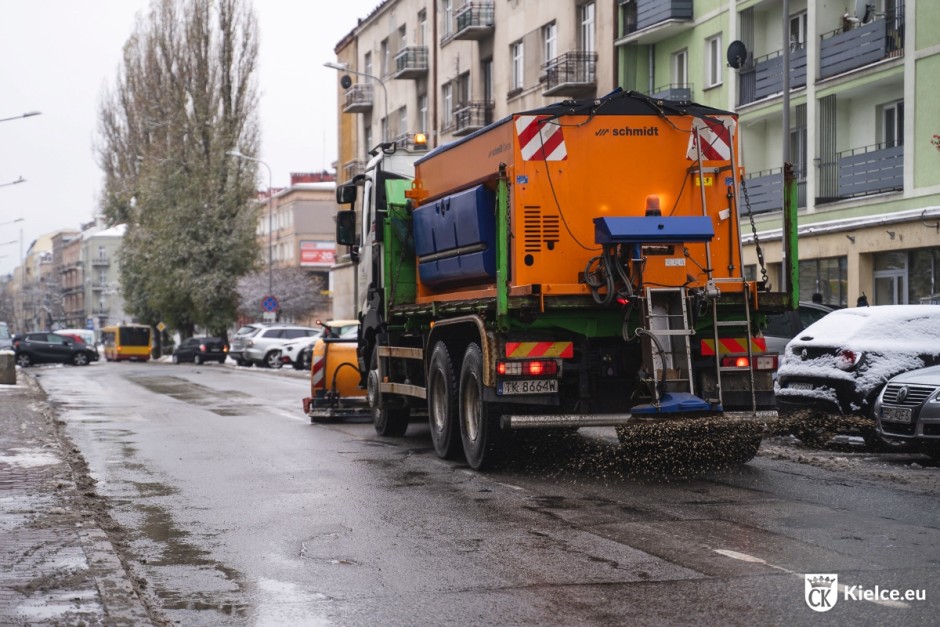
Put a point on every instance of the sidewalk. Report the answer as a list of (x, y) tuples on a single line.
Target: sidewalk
[(59, 567)]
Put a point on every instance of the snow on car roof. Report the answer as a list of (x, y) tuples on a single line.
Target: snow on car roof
[(877, 328)]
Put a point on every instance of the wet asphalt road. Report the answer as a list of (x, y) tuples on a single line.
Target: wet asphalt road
[(234, 509)]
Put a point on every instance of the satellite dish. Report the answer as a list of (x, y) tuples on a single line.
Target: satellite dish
[(345, 81), (737, 54)]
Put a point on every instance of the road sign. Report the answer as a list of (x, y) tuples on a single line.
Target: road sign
[(269, 303), (90, 324), (161, 327)]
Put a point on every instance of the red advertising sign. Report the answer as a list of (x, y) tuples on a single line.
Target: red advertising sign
[(317, 253)]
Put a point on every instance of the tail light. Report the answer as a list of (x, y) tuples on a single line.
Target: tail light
[(761, 362), (528, 368), (202, 348), (847, 360)]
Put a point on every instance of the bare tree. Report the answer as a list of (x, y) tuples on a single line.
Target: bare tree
[(300, 292), (185, 96)]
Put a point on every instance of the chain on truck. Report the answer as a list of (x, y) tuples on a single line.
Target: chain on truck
[(575, 265)]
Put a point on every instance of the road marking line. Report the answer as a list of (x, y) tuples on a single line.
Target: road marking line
[(744, 557)]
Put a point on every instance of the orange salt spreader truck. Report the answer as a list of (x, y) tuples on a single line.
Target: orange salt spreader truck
[(575, 265)]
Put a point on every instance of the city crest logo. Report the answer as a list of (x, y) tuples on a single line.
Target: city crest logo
[(821, 591)]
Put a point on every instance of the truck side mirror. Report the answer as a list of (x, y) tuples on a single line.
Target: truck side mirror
[(346, 194), (346, 225)]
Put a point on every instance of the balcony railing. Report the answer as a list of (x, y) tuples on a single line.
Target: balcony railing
[(352, 168), (101, 260), (411, 62), (648, 14), (765, 191), (475, 20), (358, 98), (764, 76), (571, 74), (680, 92), (100, 311), (862, 171), (843, 50), (472, 116)]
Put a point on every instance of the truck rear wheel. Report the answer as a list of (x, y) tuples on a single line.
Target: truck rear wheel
[(479, 421), (388, 421), (442, 403)]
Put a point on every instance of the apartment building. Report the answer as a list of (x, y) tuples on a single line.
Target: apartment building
[(862, 124)]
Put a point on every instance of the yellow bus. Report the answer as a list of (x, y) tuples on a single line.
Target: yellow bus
[(131, 342)]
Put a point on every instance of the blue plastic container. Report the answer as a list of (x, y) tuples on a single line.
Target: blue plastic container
[(455, 239)]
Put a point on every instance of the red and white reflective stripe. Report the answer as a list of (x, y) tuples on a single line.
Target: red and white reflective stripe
[(733, 346), (520, 350), (538, 141), (716, 142), (317, 372)]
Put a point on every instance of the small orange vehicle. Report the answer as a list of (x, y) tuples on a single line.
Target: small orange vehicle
[(334, 376)]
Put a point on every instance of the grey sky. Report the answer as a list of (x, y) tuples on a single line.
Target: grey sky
[(56, 56)]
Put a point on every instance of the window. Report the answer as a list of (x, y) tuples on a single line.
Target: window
[(367, 65), (402, 37), (518, 69), (488, 81), (402, 120), (422, 113), (586, 13), (549, 41), (385, 57), (463, 88), (713, 60), (680, 68), (421, 33), (447, 102), (892, 124), (447, 16), (798, 31), (367, 138)]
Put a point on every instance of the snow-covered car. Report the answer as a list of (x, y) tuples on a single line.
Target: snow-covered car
[(908, 410), (292, 352), (840, 364), (330, 328)]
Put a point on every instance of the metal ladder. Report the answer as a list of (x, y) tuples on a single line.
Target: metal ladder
[(667, 320), (745, 324)]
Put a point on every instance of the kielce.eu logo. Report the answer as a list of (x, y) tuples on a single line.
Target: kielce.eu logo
[(821, 591)]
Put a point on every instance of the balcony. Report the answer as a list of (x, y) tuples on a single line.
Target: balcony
[(353, 168), (765, 191), (845, 50), (411, 62), (572, 74), (472, 116), (475, 20), (862, 171), (358, 98), (674, 91), (764, 76), (100, 260), (656, 20), (100, 311)]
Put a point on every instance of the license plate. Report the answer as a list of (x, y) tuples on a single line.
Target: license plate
[(528, 386), (896, 414), (800, 386)]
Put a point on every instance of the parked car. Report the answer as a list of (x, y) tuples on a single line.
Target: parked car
[(50, 348), (262, 346), (85, 335), (839, 364), (908, 410), (200, 350), (330, 328), (783, 327)]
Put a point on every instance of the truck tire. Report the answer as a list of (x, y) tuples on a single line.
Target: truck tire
[(442, 404), (388, 421), (479, 421)]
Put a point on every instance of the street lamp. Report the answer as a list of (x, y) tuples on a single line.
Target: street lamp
[(19, 180), (28, 114), (238, 155), (342, 68)]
